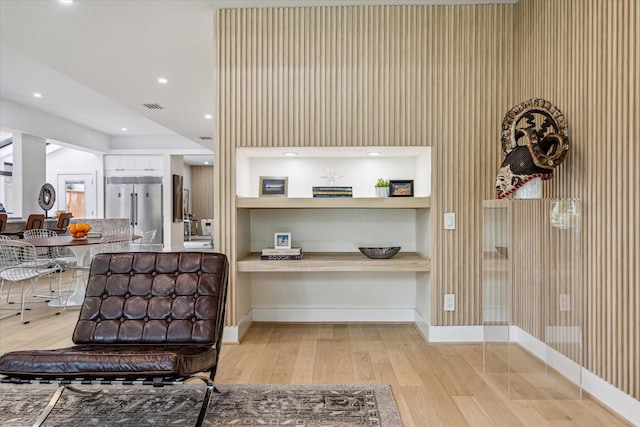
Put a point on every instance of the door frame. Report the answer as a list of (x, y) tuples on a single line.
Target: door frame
[(90, 191)]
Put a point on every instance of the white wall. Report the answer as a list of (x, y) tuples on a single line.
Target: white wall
[(174, 231), (29, 160), (71, 161)]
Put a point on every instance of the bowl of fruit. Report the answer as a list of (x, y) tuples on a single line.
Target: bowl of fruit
[(79, 230)]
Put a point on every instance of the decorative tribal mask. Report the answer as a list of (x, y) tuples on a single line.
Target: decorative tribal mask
[(535, 139)]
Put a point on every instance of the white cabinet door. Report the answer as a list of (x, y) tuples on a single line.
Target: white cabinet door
[(117, 162), (144, 162)]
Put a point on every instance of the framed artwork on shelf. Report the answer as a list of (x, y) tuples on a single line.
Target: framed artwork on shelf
[(273, 186), (282, 240), (401, 188)]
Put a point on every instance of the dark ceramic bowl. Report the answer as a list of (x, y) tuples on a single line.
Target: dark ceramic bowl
[(380, 253), (503, 250)]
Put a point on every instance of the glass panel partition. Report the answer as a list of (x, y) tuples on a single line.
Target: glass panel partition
[(532, 297)]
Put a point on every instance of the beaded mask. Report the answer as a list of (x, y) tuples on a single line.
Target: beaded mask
[(535, 139)]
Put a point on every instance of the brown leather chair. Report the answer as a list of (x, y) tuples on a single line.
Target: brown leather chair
[(156, 317), (63, 222), (34, 221), (3, 222)]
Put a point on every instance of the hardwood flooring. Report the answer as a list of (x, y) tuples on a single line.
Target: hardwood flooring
[(433, 384)]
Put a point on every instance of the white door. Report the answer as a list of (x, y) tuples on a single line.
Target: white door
[(77, 194)]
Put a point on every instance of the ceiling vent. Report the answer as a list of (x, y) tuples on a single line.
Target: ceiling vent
[(154, 106), (206, 138)]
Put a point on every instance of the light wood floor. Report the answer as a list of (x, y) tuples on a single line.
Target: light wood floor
[(433, 384)]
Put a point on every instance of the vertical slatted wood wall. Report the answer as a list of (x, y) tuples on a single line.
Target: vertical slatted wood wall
[(444, 76), (201, 194), (583, 57)]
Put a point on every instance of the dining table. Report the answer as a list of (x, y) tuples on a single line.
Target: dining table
[(79, 247)]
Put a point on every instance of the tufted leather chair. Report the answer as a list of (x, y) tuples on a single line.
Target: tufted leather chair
[(149, 316)]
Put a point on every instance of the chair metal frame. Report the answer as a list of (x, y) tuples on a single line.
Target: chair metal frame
[(19, 263), (52, 257), (126, 377)]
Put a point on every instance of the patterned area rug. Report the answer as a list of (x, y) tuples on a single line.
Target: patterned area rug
[(339, 405)]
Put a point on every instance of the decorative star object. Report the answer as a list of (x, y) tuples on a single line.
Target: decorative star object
[(331, 176)]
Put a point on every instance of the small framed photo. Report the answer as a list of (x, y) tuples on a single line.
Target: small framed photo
[(282, 240), (273, 186), (401, 188)]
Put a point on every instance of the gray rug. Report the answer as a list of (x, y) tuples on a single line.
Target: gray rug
[(338, 405)]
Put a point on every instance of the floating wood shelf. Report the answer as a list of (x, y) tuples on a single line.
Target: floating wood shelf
[(493, 261), (333, 203), (336, 261)]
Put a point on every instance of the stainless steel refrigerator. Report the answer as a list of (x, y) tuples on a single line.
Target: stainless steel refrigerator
[(138, 198)]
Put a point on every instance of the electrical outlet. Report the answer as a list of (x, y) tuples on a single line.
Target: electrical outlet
[(564, 302), (449, 302)]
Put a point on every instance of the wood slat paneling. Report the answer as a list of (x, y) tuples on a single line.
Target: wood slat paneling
[(201, 195), (586, 62), (444, 76)]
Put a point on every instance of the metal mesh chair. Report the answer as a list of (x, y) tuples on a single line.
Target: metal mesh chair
[(113, 247), (52, 257), (146, 243), (19, 264)]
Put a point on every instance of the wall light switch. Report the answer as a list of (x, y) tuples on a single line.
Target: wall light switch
[(449, 220), (449, 302)]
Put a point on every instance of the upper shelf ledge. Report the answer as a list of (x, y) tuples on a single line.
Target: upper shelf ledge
[(333, 203)]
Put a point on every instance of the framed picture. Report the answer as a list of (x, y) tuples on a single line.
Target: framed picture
[(402, 188), (273, 186), (282, 240), (178, 205)]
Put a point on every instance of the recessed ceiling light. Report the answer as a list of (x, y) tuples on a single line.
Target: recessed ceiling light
[(375, 153), (208, 116), (163, 80), (124, 129), (37, 95), (206, 163), (65, 1), (290, 154)]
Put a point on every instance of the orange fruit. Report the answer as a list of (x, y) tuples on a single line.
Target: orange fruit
[(80, 227), (79, 234), (72, 229), (87, 228)]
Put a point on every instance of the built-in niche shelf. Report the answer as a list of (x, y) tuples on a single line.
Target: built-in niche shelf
[(333, 203), (333, 281), (336, 261)]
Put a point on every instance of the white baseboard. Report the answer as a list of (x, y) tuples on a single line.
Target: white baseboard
[(233, 334), (333, 315), (230, 335), (456, 334), (617, 400)]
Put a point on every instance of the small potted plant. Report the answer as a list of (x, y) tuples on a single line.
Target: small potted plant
[(382, 188)]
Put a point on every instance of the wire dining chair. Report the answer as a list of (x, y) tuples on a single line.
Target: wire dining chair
[(51, 256), (145, 244), (19, 264), (112, 247)]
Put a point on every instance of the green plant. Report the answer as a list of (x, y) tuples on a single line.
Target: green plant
[(382, 183)]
